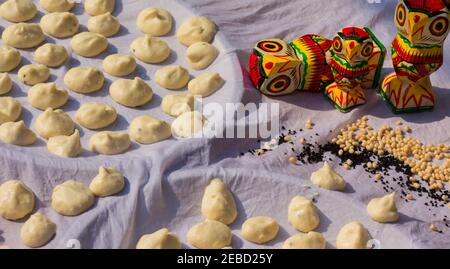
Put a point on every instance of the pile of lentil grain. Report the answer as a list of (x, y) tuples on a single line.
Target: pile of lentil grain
[(391, 156)]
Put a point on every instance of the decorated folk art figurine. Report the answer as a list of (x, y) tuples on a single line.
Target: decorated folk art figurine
[(312, 63), (417, 52)]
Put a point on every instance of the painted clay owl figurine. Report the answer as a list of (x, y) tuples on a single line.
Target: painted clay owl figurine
[(349, 61), (305, 64), (417, 52)]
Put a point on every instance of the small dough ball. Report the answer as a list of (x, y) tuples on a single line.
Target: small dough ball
[(65, 146), (16, 133), (84, 79), (5, 83), (218, 203), (23, 35), (37, 231), (149, 130), (18, 10), (45, 95), (10, 109), (196, 29), (352, 236), (72, 198), (16, 200), (105, 24), (150, 49), (161, 239), (177, 104), (33, 74), (119, 65), (209, 234), (383, 210), (89, 44), (302, 214), (57, 5), (60, 24), (311, 240), (131, 93), (260, 230), (154, 21), (99, 7), (110, 143), (172, 77), (51, 55), (52, 123), (95, 116), (9, 58), (206, 84), (200, 55), (327, 178), (188, 124), (109, 181)]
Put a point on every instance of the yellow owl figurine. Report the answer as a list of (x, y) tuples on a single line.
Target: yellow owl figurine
[(417, 52)]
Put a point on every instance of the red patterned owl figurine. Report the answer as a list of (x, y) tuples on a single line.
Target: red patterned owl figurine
[(417, 52)]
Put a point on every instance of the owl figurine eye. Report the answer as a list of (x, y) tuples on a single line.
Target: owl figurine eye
[(337, 44), (401, 15), (439, 26), (367, 50)]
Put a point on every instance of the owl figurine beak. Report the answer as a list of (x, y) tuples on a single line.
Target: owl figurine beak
[(416, 23), (352, 49)]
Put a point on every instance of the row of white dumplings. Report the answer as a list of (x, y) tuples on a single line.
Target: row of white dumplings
[(57, 126), (71, 198)]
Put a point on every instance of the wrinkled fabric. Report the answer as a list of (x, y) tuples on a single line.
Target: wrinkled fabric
[(165, 182)]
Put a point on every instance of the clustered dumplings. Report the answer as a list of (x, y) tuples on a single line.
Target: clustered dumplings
[(218, 203), (150, 49), (60, 24), (65, 146), (119, 65), (105, 24), (9, 58), (131, 93), (176, 104), (209, 234), (16, 133), (84, 79), (302, 214), (206, 84), (72, 198), (16, 200), (109, 181), (23, 35), (383, 209), (18, 10), (5, 83), (99, 7), (146, 129), (33, 74), (54, 123), (200, 55), (45, 95), (154, 21), (196, 29), (10, 109), (327, 178), (260, 230), (95, 115), (110, 143), (161, 239), (172, 77), (51, 55), (37, 231), (57, 5), (89, 44)]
